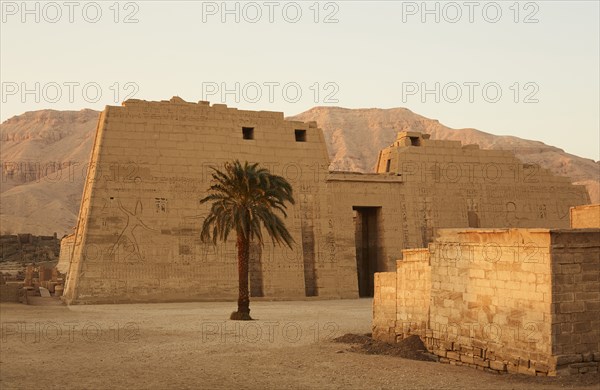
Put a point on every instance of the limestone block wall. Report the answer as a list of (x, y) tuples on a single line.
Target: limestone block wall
[(385, 307), (576, 300), (66, 252), (464, 186), (137, 237), (401, 301), (587, 216), (491, 299), (413, 293), (517, 300), (395, 229)]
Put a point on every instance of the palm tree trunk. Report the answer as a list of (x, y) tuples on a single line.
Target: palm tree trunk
[(243, 247)]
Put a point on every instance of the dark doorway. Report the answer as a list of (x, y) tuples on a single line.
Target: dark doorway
[(368, 247), (255, 272), (473, 219)]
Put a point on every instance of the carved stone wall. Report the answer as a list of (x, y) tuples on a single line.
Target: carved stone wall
[(137, 237)]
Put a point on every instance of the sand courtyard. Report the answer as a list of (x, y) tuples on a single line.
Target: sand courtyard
[(191, 345)]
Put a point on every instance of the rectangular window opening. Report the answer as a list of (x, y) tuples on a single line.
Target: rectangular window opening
[(387, 165), (248, 132), (414, 141), (300, 135)]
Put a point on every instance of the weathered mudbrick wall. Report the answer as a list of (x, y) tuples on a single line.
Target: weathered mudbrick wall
[(517, 300), (586, 216)]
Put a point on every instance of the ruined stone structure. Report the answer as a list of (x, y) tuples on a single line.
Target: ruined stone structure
[(27, 248), (66, 251), (137, 238), (585, 216), (516, 300)]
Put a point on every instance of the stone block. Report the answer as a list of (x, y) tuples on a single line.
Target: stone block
[(453, 355), (541, 367), (440, 352), (526, 370), (512, 368), (583, 364), (572, 307), (481, 362), (44, 292), (562, 360), (467, 359)]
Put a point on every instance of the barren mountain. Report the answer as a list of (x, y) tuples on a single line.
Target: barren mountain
[(355, 136), (45, 154), (44, 159)]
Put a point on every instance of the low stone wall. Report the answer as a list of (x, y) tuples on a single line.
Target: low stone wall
[(587, 216), (27, 248), (401, 300), (413, 293), (10, 292), (384, 307), (491, 299), (507, 300), (576, 300)]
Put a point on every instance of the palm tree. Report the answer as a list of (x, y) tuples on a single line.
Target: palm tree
[(243, 197)]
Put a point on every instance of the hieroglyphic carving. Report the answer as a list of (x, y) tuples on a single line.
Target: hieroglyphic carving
[(127, 238)]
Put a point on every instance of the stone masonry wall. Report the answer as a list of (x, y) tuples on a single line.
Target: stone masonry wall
[(587, 216), (66, 250), (454, 185), (395, 230), (384, 307), (517, 300), (137, 237), (401, 302), (413, 293), (576, 300), (491, 299)]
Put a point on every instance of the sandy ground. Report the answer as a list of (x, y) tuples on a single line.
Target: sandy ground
[(190, 345)]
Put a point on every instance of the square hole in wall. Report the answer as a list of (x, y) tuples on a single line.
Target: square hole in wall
[(300, 135), (248, 132)]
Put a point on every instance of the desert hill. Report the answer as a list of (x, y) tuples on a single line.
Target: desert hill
[(44, 158), (355, 136), (354, 149), (45, 153)]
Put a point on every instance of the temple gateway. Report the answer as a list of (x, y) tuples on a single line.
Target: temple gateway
[(137, 237)]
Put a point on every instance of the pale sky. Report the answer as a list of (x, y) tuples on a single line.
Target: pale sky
[(528, 69)]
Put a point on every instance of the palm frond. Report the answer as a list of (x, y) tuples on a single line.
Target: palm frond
[(246, 198)]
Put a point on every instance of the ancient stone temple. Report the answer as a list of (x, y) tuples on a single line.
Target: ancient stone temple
[(137, 238), (518, 300)]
